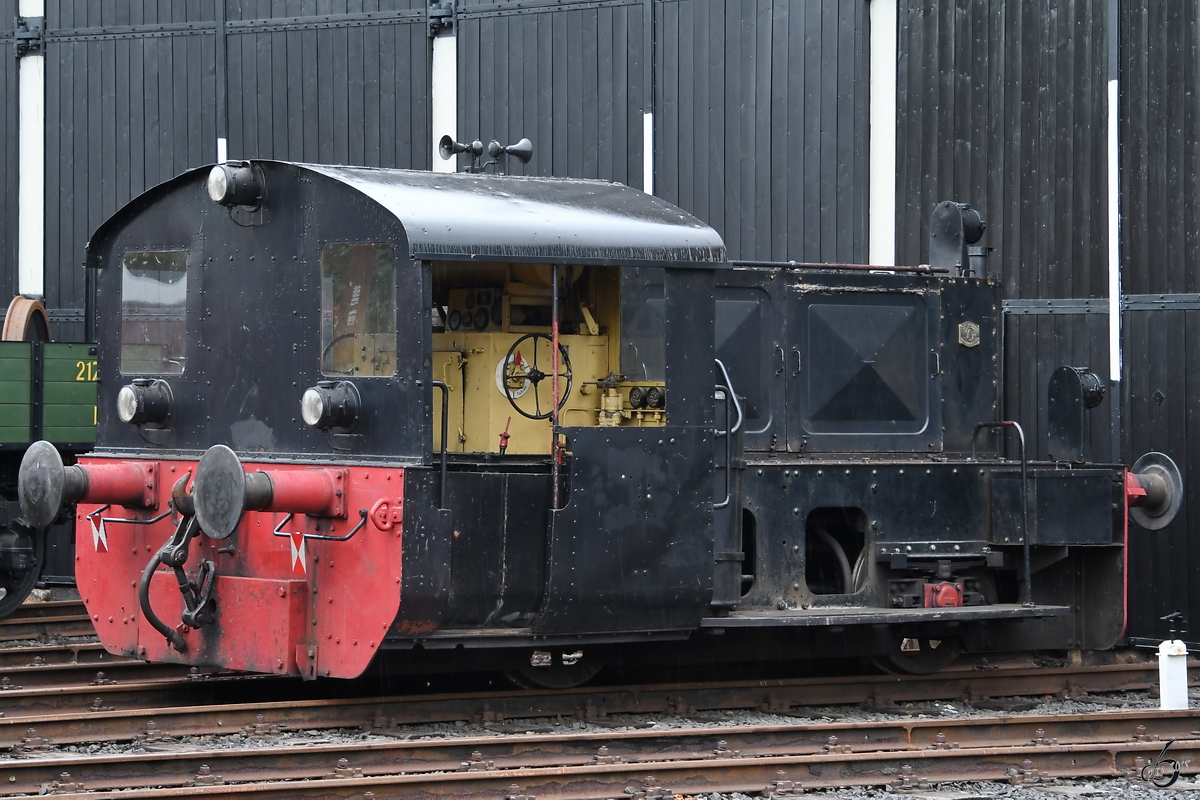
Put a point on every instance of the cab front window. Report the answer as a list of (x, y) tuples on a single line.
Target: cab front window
[(153, 312), (358, 310)]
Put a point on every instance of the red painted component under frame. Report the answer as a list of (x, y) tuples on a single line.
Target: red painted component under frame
[(943, 595), (287, 603), (1133, 489), (124, 483), (309, 491), (1129, 495)]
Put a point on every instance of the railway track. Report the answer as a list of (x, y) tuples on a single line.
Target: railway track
[(202, 704), (657, 763), (46, 621), (58, 701), (42, 655)]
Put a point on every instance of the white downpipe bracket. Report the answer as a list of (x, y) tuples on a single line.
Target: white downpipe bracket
[(881, 244), (443, 86), (31, 158)]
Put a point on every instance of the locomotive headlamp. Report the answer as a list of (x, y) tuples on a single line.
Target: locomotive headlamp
[(236, 184), (143, 401), (330, 404)]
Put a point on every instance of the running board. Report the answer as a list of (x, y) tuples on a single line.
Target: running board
[(859, 615)]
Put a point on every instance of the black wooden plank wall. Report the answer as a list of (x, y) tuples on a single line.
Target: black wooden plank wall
[(1163, 380), (760, 108), (762, 118), (129, 88), (1037, 344), (1160, 173), (8, 152), (1002, 105), (1160, 159), (330, 82), (566, 75)]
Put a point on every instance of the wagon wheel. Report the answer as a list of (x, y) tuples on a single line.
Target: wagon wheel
[(17, 584), (921, 656), (523, 375), (26, 321), (558, 674)]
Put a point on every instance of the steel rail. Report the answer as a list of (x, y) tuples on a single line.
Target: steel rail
[(53, 608), (84, 673), (608, 764), (46, 620), (27, 705), (56, 654), (120, 712)]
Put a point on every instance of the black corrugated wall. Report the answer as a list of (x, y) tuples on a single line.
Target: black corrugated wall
[(329, 82), (120, 78), (760, 108), (762, 119), (566, 75), (1002, 105), (131, 100), (1160, 243)]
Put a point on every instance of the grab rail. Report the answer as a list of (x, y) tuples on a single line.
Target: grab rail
[(445, 432), (1024, 492)]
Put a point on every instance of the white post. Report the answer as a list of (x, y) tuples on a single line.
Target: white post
[(31, 158), (443, 87), (1172, 675), (881, 244), (1114, 238), (648, 152)]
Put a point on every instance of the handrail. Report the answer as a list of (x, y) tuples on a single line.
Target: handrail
[(445, 432), (728, 452), (362, 520), (1024, 492), (736, 404)]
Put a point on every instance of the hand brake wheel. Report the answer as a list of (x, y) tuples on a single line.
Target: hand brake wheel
[(522, 374)]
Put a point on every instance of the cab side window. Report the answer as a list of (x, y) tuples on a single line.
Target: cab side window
[(358, 310)]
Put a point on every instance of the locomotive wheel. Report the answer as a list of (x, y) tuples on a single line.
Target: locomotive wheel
[(17, 584), (555, 675), (921, 656), (523, 375)]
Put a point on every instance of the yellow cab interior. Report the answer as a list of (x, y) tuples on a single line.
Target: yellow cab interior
[(492, 348)]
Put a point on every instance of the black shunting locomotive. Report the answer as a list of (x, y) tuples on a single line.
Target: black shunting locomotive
[(544, 425)]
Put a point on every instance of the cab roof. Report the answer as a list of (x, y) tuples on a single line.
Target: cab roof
[(501, 218)]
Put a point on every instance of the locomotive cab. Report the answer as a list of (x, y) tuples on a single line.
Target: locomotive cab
[(345, 405)]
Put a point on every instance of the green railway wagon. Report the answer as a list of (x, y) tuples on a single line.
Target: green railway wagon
[(47, 391)]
